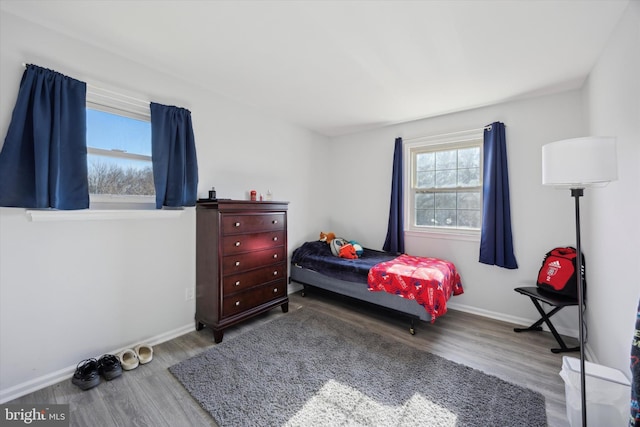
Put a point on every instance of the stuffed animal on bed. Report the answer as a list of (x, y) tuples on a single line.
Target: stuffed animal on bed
[(348, 251), (357, 247), (335, 246), (327, 237), (343, 249)]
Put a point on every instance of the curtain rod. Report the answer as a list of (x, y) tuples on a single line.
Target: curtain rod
[(119, 95), (487, 127)]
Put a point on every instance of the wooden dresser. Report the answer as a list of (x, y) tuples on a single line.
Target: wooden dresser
[(241, 261)]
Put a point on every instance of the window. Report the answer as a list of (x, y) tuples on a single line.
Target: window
[(119, 152), (445, 183)]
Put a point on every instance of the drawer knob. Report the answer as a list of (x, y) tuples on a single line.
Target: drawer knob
[(237, 283), (237, 243), (237, 263), (275, 221), (236, 224), (275, 239), (275, 273), (275, 290), (275, 256), (237, 303)]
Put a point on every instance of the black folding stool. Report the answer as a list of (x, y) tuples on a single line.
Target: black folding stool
[(558, 302)]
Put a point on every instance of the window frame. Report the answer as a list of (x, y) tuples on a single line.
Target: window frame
[(111, 102), (435, 143)]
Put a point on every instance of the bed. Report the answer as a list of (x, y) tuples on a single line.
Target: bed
[(417, 286)]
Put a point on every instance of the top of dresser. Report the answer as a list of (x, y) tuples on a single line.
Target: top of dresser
[(240, 205)]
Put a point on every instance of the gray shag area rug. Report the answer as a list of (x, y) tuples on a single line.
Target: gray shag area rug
[(307, 369)]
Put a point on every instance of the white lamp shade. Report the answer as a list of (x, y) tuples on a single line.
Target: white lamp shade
[(580, 162)]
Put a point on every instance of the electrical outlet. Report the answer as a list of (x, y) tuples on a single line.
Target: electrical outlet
[(189, 294)]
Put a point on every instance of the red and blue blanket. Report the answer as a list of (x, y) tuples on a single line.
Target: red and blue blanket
[(428, 281)]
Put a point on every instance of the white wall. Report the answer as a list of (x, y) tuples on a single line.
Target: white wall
[(608, 104), (76, 289), (542, 218), (611, 229)]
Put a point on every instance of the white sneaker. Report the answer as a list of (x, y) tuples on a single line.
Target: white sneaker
[(145, 353), (128, 359)]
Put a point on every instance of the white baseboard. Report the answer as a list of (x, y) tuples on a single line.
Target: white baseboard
[(516, 320), (589, 355), (19, 390)]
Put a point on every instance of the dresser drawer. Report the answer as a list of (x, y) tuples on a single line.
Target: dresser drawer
[(242, 301), (237, 282), (246, 261), (252, 242), (239, 223)]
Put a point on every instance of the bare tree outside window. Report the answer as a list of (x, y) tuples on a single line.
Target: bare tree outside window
[(446, 186), (119, 155), (110, 178)]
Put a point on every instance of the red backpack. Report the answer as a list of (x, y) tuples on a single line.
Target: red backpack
[(558, 273)]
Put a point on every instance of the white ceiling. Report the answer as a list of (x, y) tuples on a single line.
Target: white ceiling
[(338, 67)]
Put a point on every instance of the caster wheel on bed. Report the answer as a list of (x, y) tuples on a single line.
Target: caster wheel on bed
[(412, 327)]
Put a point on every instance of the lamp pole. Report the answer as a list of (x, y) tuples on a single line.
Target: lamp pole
[(576, 193), (577, 163)]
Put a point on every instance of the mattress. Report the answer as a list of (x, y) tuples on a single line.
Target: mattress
[(317, 256)]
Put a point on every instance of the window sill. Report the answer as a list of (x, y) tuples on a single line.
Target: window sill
[(471, 236), (101, 215)]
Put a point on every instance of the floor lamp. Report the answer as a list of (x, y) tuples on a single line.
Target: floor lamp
[(577, 164)]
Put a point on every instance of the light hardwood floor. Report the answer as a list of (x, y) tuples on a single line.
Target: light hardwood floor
[(150, 396)]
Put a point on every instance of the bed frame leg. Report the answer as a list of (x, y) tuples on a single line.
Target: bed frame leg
[(412, 329)]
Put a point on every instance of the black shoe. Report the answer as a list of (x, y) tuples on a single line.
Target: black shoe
[(86, 375), (109, 367)]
